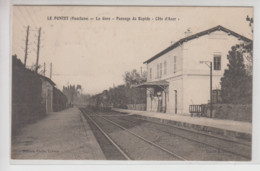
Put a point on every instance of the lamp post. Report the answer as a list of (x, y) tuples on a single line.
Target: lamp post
[(209, 64)]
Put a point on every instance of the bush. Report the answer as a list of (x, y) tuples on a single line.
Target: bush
[(237, 112)]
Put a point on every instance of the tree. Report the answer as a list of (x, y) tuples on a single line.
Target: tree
[(135, 95), (251, 22), (71, 91), (133, 78), (247, 49), (236, 84)]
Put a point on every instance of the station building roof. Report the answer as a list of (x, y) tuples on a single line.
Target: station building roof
[(153, 84), (194, 36)]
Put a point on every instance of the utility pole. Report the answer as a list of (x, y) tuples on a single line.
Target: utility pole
[(211, 90), (26, 45), (38, 50), (209, 64), (50, 70), (44, 69)]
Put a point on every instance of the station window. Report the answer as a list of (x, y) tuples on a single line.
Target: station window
[(175, 64), (150, 73), (165, 67), (217, 62), (160, 70)]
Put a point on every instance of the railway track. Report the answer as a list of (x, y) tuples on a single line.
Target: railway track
[(108, 138), (245, 148), (121, 149), (122, 122)]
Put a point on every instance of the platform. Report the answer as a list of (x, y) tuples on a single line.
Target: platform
[(63, 135), (227, 128)]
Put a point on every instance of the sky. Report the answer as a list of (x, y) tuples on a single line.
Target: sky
[(96, 53)]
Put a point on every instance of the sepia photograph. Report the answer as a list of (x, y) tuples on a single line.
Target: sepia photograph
[(143, 83)]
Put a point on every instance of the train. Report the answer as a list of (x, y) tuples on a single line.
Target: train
[(100, 101)]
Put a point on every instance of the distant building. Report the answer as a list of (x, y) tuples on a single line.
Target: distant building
[(60, 101), (47, 93), (176, 78)]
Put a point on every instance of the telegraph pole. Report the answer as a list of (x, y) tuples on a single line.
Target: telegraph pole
[(50, 70), (26, 45), (38, 50)]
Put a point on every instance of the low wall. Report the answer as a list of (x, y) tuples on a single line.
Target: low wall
[(136, 107), (237, 112)]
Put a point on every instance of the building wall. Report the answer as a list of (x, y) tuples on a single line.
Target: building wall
[(60, 101), (175, 85), (203, 49), (26, 95), (196, 82), (169, 58), (192, 79), (47, 95), (196, 90), (171, 74)]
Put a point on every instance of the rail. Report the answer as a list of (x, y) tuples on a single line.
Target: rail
[(134, 134)]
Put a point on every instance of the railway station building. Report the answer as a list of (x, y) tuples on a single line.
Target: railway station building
[(178, 76)]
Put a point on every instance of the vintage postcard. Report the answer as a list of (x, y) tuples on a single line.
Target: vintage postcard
[(149, 83)]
